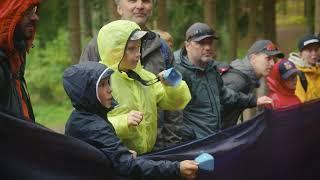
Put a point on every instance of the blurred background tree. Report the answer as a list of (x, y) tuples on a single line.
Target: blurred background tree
[(65, 28)]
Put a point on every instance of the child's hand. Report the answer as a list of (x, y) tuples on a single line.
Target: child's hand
[(134, 118), (134, 154), (188, 169)]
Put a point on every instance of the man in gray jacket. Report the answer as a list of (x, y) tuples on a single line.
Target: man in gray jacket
[(245, 74), (156, 56), (202, 117)]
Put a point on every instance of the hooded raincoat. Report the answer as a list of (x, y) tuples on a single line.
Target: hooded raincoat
[(14, 97), (88, 123), (131, 94), (312, 74), (281, 96)]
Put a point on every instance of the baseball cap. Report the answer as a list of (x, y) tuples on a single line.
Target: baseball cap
[(307, 40), (266, 47), (286, 69), (138, 34), (199, 31)]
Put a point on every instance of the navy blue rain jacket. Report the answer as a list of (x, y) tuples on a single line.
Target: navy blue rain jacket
[(88, 122)]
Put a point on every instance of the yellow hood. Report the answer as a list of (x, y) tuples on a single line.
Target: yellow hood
[(111, 49)]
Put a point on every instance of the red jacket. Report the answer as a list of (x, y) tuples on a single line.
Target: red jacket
[(14, 95), (281, 96)]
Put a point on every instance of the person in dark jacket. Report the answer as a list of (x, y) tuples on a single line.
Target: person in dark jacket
[(202, 116), (246, 73), (156, 56), (18, 20), (87, 85)]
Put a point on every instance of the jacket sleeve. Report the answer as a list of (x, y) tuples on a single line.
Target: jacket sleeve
[(101, 135), (234, 81), (120, 123), (230, 97), (172, 98)]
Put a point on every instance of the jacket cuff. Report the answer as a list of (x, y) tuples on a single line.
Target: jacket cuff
[(253, 101), (177, 169)]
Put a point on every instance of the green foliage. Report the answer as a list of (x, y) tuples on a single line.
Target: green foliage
[(45, 67), (183, 14), (52, 15), (290, 20), (52, 115)]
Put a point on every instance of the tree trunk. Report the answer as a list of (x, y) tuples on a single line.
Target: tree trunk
[(283, 5), (112, 10), (162, 14), (252, 29), (233, 28), (210, 13), (74, 30), (269, 19), (310, 12), (317, 17), (85, 15)]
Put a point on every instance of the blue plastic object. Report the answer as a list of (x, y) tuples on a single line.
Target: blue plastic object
[(206, 162), (172, 77)]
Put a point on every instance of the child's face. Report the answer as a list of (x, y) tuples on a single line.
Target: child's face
[(291, 82), (131, 56), (104, 92)]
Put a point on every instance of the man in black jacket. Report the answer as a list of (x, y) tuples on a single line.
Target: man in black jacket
[(87, 85), (202, 117)]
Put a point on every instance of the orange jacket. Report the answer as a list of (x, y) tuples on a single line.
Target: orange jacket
[(11, 13)]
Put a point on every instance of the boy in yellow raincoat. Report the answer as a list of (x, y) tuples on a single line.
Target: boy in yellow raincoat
[(135, 89)]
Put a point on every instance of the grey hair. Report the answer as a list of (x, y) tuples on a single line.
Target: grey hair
[(118, 1)]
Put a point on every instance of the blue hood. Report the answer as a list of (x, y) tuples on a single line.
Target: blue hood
[(80, 83)]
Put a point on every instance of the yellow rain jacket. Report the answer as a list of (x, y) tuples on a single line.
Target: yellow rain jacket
[(131, 94), (312, 74)]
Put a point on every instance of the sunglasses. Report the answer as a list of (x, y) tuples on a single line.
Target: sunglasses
[(270, 47)]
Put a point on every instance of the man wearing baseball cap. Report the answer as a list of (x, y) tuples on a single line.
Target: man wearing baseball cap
[(306, 60), (245, 74), (201, 117)]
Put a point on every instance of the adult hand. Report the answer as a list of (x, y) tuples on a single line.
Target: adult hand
[(134, 118), (188, 169), (264, 100)]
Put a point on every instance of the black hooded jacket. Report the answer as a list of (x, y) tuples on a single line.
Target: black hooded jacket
[(88, 122)]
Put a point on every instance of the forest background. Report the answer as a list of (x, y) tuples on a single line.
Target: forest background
[(65, 27)]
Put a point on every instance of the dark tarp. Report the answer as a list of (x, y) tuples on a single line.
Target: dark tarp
[(281, 145)]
